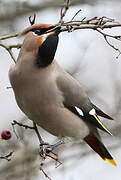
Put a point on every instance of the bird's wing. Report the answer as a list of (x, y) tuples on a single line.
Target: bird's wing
[(75, 98), (73, 93), (101, 113)]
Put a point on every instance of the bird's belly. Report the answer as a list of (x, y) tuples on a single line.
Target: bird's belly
[(60, 122), (49, 113), (36, 107)]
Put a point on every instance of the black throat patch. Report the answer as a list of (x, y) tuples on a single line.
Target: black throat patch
[(47, 51)]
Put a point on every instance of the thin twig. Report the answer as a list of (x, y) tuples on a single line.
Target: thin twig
[(37, 133), (14, 130), (9, 87), (64, 10), (108, 35), (41, 169), (22, 125), (83, 25), (17, 46), (9, 36), (8, 156), (9, 49), (94, 23), (111, 45), (56, 160), (19, 124), (32, 21), (76, 14), (45, 154)]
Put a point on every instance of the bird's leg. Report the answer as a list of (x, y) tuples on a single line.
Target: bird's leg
[(49, 148), (53, 146)]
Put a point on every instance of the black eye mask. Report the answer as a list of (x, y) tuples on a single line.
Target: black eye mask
[(40, 31)]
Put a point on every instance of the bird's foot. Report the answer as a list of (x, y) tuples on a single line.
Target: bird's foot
[(46, 148)]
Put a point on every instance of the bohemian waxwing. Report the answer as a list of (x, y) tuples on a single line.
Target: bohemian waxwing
[(50, 96)]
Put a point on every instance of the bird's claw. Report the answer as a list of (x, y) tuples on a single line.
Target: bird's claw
[(46, 148)]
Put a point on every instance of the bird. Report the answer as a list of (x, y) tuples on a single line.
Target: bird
[(51, 97)]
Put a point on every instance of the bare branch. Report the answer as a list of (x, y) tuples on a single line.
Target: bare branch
[(22, 125), (108, 35), (111, 45), (9, 47), (9, 36), (94, 23), (24, 7), (19, 124), (32, 21), (9, 50), (41, 169), (64, 10), (76, 14), (44, 154), (83, 25), (17, 46), (7, 157), (37, 133)]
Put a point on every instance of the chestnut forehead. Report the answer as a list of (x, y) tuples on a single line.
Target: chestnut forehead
[(41, 26), (37, 26)]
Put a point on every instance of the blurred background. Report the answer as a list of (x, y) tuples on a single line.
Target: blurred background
[(87, 57)]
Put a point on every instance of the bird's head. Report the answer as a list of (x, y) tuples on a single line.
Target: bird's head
[(41, 40)]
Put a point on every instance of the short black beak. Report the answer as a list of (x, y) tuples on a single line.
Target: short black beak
[(56, 29)]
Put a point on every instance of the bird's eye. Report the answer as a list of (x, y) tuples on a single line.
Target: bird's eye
[(37, 31)]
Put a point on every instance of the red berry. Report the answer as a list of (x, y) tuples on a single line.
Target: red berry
[(6, 134)]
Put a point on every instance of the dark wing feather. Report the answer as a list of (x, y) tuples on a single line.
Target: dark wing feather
[(74, 94), (73, 109), (89, 119), (101, 113)]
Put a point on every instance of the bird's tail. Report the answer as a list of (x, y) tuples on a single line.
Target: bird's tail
[(99, 148)]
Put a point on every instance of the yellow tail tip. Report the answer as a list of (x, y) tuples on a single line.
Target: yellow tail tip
[(111, 161)]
